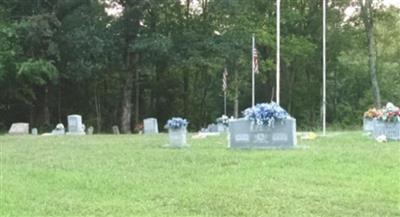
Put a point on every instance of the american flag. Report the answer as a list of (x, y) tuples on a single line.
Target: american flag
[(224, 80), (255, 61)]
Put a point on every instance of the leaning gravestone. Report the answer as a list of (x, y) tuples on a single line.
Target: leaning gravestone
[(115, 130), (150, 126), (245, 134), (75, 126), (19, 129), (34, 131)]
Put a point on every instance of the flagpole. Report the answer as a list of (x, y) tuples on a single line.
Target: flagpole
[(278, 49), (225, 86), (253, 98), (225, 102), (324, 68)]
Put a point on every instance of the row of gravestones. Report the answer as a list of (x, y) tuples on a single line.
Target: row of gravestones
[(241, 132), (75, 127)]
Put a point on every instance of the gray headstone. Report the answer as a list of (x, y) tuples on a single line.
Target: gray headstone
[(59, 130), (368, 125), (177, 137), (90, 130), (75, 126), (389, 129), (19, 129), (244, 134), (115, 130), (150, 126), (34, 131)]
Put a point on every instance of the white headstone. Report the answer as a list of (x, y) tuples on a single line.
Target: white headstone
[(150, 126), (177, 137), (115, 130), (90, 130), (75, 126), (60, 130), (19, 128), (34, 131)]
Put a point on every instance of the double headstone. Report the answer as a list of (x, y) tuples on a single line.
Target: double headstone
[(245, 134), (75, 125), (150, 126), (19, 129)]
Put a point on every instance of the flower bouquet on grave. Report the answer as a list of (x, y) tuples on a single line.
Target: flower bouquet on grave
[(390, 113), (265, 125), (388, 123), (176, 123), (177, 132), (265, 114), (372, 113)]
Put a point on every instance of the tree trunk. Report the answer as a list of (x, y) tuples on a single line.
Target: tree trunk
[(98, 109), (126, 106), (367, 17), (46, 111), (372, 67), (137, 96)]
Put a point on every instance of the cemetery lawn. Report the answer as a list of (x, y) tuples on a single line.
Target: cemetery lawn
[(343, 174)]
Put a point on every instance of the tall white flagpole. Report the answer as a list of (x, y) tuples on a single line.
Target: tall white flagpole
[(324, 68), (253, 98), (278, 50)]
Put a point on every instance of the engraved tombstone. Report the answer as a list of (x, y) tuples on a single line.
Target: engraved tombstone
[(244, 134), (75, 126), (19, 129), (177, 137), (150, 126)]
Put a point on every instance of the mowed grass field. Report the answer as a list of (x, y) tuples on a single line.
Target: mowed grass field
[(343, 174)]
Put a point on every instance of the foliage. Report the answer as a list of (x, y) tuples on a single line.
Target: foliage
[(166, 58)]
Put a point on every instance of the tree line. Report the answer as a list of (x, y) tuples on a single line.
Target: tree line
[(165, 58)]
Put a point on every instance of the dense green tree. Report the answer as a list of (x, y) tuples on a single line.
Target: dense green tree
[(165, 58)]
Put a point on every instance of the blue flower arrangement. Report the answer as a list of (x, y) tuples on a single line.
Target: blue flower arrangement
[(176, 123), (265, 114)]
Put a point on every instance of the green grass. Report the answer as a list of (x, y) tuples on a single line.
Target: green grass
[(344, 174)]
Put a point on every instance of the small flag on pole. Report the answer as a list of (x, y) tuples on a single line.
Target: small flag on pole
[(255, 60), (225, 80)]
